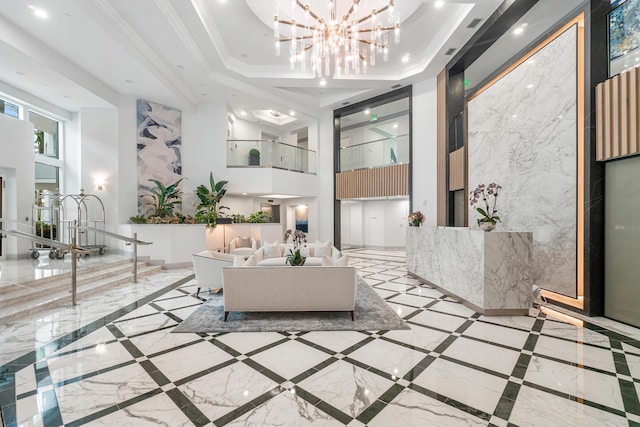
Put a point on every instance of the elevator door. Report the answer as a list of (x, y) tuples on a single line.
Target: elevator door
[(622, 240)]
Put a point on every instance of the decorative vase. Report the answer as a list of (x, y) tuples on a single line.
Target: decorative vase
[(486, 226)]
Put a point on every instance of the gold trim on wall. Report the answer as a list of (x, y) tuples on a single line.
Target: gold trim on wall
[(618, 116), (378, 182), (578, 21)]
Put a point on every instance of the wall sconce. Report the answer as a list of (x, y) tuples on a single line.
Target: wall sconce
[(99, 183)]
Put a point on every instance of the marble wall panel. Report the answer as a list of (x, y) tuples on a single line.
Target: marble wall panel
[(522, 134)]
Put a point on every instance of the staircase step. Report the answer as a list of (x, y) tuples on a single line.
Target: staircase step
[(36, 302), (35, 289)]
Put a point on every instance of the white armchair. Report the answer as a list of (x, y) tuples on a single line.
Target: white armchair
[(208, 268), (244, 246)]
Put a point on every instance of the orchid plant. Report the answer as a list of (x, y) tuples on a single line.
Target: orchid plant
[(295, 257), (416, 219), (484, 193)]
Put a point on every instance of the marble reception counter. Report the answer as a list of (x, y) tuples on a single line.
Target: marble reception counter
[(490, 271)]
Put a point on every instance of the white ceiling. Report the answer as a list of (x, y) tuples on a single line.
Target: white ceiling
[(89, 53)]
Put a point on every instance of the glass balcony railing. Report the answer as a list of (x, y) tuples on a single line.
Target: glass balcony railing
[(374, 154), (270, 154)]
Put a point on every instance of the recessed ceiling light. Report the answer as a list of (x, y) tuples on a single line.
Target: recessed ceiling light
[(40, 13), (439, 4), (292, 113), (243, 113), (323, 82), (518, 31), (514, 116), (405, 59), (395, 126), (530, 86), (367, 111), (244, 194)]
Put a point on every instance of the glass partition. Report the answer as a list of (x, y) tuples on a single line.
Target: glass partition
[(270, 154), (383, 152)]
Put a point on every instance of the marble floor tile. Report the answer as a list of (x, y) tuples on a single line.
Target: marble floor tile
[(145, 310), (87, 396), (438, 320), (402, 310), (158, 410), (539, 409), (384, 293), (347, 387), (425, 291), (452, 308), (87, 361), (593, 357), (179, 302), (290, 359), (406, 281), (574, 333), (396, 287), (25, 380), (483, 355), (220, 392), (100, 336), (633, 362), (521, 322), (28, 412), (245, 342), (412, 300), (185, 312), (163, 339), (336, 341), (411, 408), (572, 380), (285, 409), (189, 360), (499, 334), (144, 324), (419, 336), (469, 386), (388, 357)]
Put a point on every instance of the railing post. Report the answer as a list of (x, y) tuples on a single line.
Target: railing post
[(135, 257), (74, 265)]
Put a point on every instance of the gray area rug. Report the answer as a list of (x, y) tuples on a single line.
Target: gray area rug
[(371, 314)]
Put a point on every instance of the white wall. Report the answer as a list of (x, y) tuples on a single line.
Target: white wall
[(374, 223), (18, 169), (323, 217), (425, 149)]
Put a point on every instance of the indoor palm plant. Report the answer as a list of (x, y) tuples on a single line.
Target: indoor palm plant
[(165, 198), (210, 198)]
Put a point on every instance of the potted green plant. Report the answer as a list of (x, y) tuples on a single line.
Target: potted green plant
[(165, 198), (209, 209), (295, 257), (254, 157), (40, 141), (259, 217)]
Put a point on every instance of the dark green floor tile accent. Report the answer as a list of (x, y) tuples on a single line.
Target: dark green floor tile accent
[(531, 342), (629, 397), (391, 393), (267, 347), (154, 373), (507, 401), (368, 414), (264, 371), (187, 407), (225, 347), (255, 403), (333, 412), (621, 364)]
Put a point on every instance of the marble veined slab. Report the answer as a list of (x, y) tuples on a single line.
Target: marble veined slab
[(490, 270)]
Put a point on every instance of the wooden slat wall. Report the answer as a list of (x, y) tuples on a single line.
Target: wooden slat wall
[(618, 116), (378, 182), (441, 165), (456, 170)]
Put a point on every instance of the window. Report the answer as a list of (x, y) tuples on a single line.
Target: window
[(9, 109), (46, 134)]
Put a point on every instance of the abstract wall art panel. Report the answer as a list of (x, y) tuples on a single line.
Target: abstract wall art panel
[(159, 139), (624, 28)]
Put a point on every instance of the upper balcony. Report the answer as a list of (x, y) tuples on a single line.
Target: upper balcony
[(271, 154), (375, 154)]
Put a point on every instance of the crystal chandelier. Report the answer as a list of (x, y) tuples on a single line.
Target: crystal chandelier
[(346, 39)]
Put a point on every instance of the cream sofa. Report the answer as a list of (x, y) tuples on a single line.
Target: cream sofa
[(311, 261), (287, 288), (208, 268)]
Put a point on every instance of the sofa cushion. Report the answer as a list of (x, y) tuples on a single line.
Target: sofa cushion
[(313, 261), (238, 261), (243, 251), (322, 249), (327, 261), (272, 250), (269, 262), (251, 262), (243, 242)]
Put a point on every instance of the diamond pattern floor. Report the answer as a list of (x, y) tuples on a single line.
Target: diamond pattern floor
[(454, 367)]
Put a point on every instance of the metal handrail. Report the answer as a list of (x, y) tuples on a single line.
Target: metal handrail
[(129, 241), (72, 248)]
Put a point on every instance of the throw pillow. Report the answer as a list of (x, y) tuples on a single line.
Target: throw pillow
[(251, 262), (238, 261), (322, 249), (243, 242), (272, 250), (327, 262), (342, 261)]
